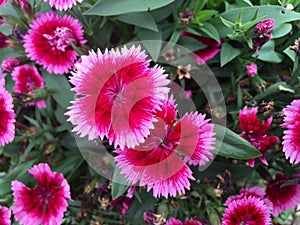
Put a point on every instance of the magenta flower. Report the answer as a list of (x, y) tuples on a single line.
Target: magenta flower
[(62, 4), (3, 40), (27, 78), (2, 79), (46, 203), (251, 69), (7, 126), (9, 64), (3, 2), (205, 54), (5, 215), (283, 198), (291, 121), (254, 131), (191, 137), (48, 41), (118, 96), (124, 201), (265, 26), (193, 221)]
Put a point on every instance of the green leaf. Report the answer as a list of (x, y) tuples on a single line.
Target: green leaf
[(250, 24), (234, 146), (204, 15), (267, 53), (272, 90), (290, 53), (282, 30), (61, 88), (227, 23), (117, 7), (140, 19), (210, 30), (118, 189), (228, 53)]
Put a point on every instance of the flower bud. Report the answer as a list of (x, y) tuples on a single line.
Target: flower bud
[(251, 69)]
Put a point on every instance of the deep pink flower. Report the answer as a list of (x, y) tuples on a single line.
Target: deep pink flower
[(247, 210), (283, 198), (46, 203), (3, 40), (265, 26), (191, 137), (254, 131), (9, 64), (118, 96), (291, 137), (48, 41), (7, 115), (192, 221), (2, 78), (62, 4), (173, 221), (260, 40), (3, 2), (205, 54), (251, 69), (5, 215), (124, 201), (27, 78)]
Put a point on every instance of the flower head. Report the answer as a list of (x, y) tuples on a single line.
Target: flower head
[(62, 4), (3, 2), (265, 26), (282, 198), (191, 137), (9, 64), (5, 215), (118, 96), (2, 78), (124, 201), (251, 69), (7, 126), (48, 41), (192, 221), (254, 131), (27, 78), (205, 54), (291, 121), (46, 203)]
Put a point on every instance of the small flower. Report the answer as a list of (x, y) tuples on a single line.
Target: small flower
[(191, 137), (48, 41), (9, 64), (27, 78), (251, 69), (291, 121), (192, 221), (186, 17), (265, 26), (63, 4), (119, 94), (7, 126), (184, 71), (124, 201), (3, 2), (5, 215), (187, 94), (205, 54), (254, 131), (282, 198), (295, 47), (46, 203)]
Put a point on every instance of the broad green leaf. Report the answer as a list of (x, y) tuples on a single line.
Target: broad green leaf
[(268, 54), (118, 188), (204, 15), (282, 30), (61, 88), (234, 146), (140, 19), (151, 40), (278, 13), (210, 30), (290, 53), (118, 7), (228, 53)]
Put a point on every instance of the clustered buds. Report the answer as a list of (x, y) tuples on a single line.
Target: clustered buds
[(263, 33)]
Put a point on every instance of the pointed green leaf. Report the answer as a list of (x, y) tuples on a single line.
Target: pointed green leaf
[(228, 53), (140, 19)]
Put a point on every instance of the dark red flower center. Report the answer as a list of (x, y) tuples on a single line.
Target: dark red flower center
[(4, 116), (61, 38)]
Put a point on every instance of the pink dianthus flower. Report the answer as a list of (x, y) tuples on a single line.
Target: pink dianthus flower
[(62, 4), (5, 215)]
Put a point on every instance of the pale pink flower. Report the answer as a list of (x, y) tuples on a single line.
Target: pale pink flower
[(27, 78), (191, 137), (7, 126), (282, 198), (5, 215), (291, 137), (46, 203), (48, 41), (62, 4), (117, 96)]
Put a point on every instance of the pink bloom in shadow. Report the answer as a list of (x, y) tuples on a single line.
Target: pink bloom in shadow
[(7, 115), (5, 215), (46, 203), (124, 201), (118, 95), (291, 137), (282, 198), (254, 131), (158, 162), (192, 221), (9, 64), (48, 41), (27, 78), (213, 47)]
